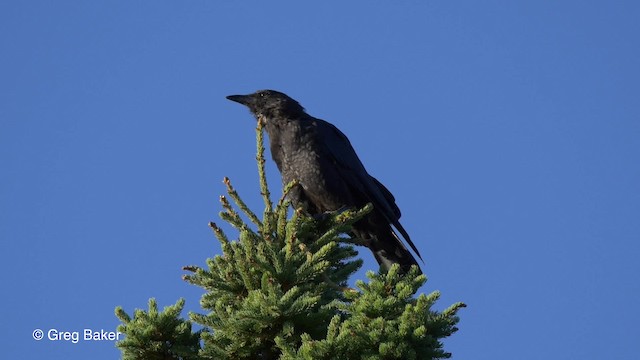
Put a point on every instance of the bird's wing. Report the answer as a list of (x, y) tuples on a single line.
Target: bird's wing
[(339, 149), (388, 196)]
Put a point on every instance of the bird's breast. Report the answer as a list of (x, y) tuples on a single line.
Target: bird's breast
[(298, 152)]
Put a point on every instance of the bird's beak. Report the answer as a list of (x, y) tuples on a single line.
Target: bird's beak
[(246, 100)]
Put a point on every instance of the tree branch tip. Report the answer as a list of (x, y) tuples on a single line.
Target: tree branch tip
[(192, 268)]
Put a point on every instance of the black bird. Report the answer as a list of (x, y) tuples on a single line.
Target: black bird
[(330, 174)]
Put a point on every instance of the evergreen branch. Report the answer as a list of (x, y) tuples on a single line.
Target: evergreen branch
[(273, 257), (285, 192), (331, 234), (230, 215), (343, 222), (241, 204), (242, 268), (122, 315), (381, 322), (349, 217), (264, 188), (158, 335), (453, 309), (191, 268), (282, 211), (291, 233), (282, 208), (220, 235)]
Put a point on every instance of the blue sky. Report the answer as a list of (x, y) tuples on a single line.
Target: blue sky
[(508, 132)]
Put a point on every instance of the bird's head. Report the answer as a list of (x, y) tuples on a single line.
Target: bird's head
[(268, 103)]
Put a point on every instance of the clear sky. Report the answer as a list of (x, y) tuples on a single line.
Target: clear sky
[(509, 133)]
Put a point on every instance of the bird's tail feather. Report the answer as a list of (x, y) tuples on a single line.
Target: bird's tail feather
[(388, 249)]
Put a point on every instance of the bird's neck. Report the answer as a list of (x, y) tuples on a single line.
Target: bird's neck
[(282, 119)]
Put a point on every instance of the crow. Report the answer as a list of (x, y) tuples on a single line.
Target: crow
[(331, 177)]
